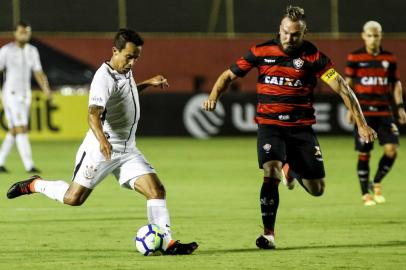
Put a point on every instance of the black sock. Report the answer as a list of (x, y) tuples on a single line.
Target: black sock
[(363, 172), (385, 164), (269, 199)]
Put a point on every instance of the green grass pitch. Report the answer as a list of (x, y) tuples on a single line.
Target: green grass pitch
[(213, 193)]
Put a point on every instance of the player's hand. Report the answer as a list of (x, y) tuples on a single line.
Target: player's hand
[(367, 134), (106, 149), (209, 105), (159, 80), (402, 116), (350, 119)]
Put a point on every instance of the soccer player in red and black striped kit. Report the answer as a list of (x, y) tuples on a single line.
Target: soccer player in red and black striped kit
[(288, 69), (372, 72)]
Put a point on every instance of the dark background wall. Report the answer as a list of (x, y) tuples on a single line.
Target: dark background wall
[(193, 41), (183, 16), (184, 60)]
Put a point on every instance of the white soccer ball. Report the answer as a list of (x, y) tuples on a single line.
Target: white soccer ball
[(150, 240)]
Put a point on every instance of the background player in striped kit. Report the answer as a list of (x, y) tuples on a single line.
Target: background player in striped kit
[(288, 69), (372, 72), (18, 59)]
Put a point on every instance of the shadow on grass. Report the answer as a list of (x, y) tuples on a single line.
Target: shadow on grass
[(310, 247), (31, 221), (101, 252)]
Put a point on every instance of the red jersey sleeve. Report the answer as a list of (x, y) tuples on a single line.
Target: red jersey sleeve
[(322, 64), (243, 65)]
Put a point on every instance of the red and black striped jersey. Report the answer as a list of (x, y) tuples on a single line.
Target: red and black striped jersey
[(285, 82), (373, 78)]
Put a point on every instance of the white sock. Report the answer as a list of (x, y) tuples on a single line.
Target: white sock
[(159, 214), (24, 148), (6, 147), (54, 190)]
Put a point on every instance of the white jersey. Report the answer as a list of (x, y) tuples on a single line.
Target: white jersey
[(118, 95), (18, 63)]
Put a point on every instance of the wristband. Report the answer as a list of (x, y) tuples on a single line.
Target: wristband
[(400, 106)]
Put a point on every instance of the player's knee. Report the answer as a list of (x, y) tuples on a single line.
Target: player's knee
[(157, 192), (391, 153), (272, 169), (318, 192), (317, 189), (73, 200)]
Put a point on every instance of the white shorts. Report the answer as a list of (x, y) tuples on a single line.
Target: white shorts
[(92, 168), (17, 110)]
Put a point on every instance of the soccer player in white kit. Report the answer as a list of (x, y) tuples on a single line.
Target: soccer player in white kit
[(18, 59), (109, 146)]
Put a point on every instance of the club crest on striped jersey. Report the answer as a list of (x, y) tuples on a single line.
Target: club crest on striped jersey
[(298, 63), (385, 64)]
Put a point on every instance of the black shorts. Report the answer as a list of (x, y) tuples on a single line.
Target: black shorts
[(297, 146), (386, 128)]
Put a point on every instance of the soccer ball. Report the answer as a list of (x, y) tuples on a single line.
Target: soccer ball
[(150, 240)]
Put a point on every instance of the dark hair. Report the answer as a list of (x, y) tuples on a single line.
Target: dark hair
[(22, 24), (295, 13), (125, 35)]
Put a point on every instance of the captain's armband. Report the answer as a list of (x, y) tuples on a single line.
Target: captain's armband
[(329, 75)]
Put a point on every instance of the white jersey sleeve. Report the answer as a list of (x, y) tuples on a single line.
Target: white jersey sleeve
[(100, 89), (36, 62), (3, 55)]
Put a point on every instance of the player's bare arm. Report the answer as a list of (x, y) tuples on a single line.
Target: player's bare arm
[(42, 81), (95, 124), (221, 85), (349, 117), (340, 86), (400, 107), (155, 81)]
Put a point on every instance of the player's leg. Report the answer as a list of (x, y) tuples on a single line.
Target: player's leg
[(386, 162), (271, 153), (388, 135), (6, 147), (269, 202), (20, 114), (136, 173), (58, 190), (385, 165), (151, 187), (314, 187), (89, 171), (24, 149), (9, 140), (305, 160), (363, 171)]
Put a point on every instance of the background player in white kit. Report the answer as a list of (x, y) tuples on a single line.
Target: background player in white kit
[(18, 59), (109, 146)]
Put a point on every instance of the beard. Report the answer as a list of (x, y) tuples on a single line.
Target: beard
[(290, 48)]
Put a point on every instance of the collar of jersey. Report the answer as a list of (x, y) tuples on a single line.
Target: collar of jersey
[(116, 73)]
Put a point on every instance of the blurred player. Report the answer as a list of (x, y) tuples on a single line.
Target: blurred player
[(18, 59), (109, 146), (288, 70), (372, 72)]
